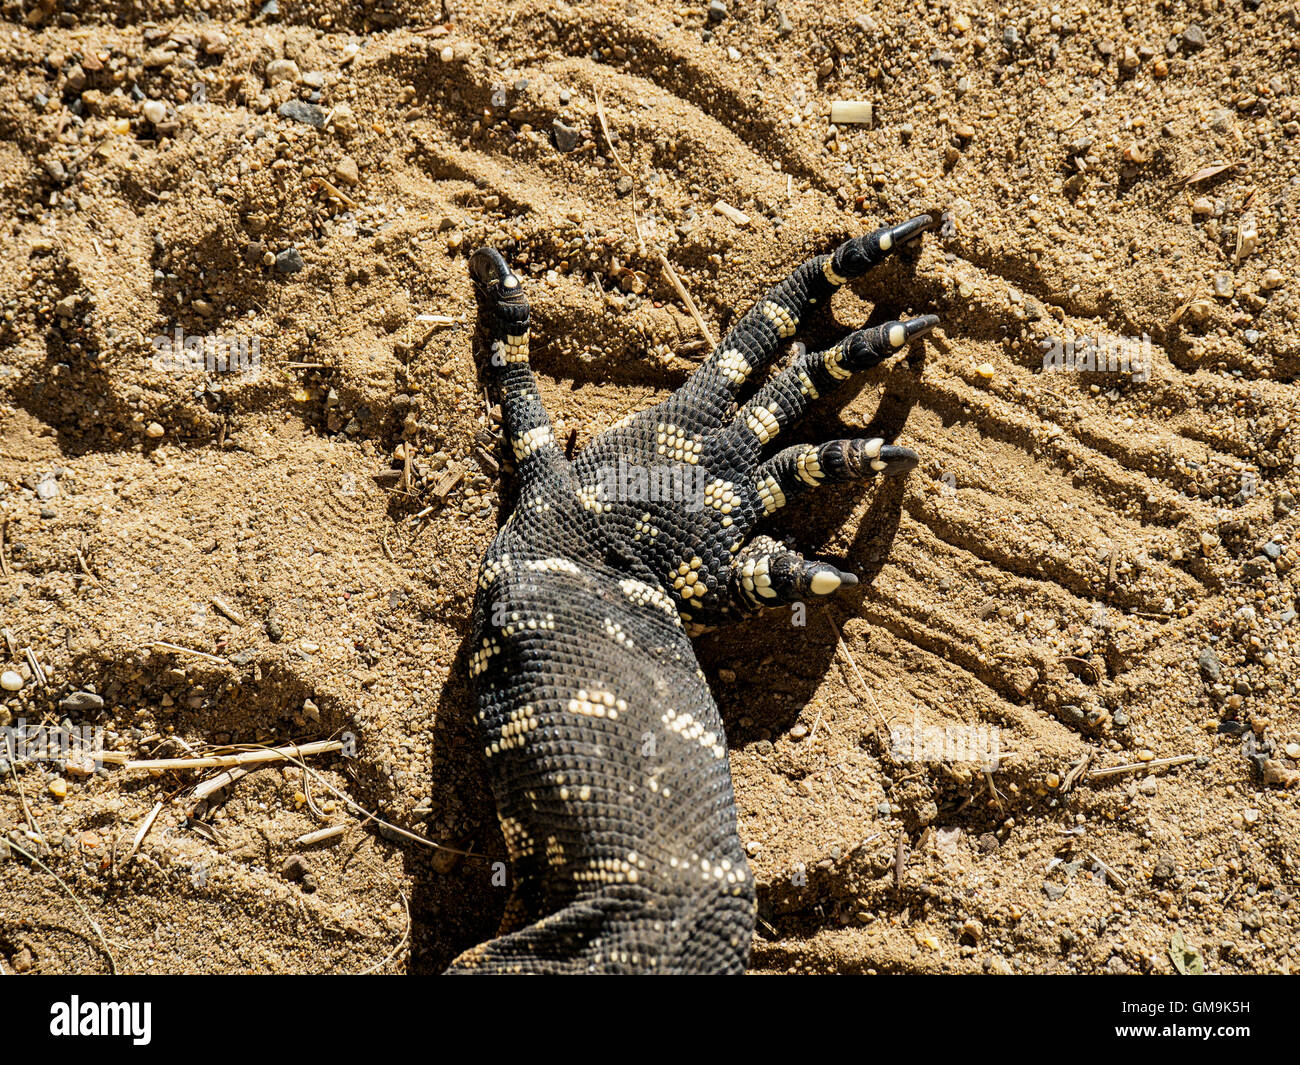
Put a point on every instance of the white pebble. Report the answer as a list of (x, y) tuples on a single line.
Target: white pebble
[(10, 681)]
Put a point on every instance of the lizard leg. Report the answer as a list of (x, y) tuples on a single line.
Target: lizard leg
[(785, 399), (754, 341), (503, 319)]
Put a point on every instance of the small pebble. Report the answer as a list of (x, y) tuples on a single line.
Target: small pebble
[(717, 10), (566, 137), (58, 788), (289, 261), (11, 681), (301, 111), (154, 430), (345, 171), (1193, 39), (1210, 666), (280, 70), (213, 41)]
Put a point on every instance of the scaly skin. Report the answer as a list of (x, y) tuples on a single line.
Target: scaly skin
[(606, 751)]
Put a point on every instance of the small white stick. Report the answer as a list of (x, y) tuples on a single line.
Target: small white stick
[(143, 831), (1137, 767), (221, 780), (320, 835), (163, 645), (225, 761), (222, 607)]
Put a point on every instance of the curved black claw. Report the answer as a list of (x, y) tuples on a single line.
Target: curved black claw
[(498, 287), (918, 327), (855, 257), (893, 461), (487, 266)]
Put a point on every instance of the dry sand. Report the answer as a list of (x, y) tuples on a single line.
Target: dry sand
[(1097, 565)]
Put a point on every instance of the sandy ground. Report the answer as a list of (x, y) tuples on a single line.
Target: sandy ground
[(1095, 568)]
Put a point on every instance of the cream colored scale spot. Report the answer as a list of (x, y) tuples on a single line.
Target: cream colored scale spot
[(478, 661), (685, 725), (762, 422), (807, 387), (809, 466), (611, 871), (616, 633), (589, 497), (755, 579), (512, 349), (518, 842), (675, 443), (533, 440), (597, 704), (688, 580), (770, 494), (514, 731), (782, 320), (518, 623), (642, 594), (828, 268), (552, 565), (494, 569), (833, 360), (720, 495), (734, 366)]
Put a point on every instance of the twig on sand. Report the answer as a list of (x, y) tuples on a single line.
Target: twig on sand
[(22, 799), (241, 758), (285, 754), (226, 610), (215, 784), (320, 835), (604, 128), (1137, 767), (112, 961), (81, 564), (142, 831), (618, 161), (1075, 772), (1110, 873), (160, 646), (685, 297)]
